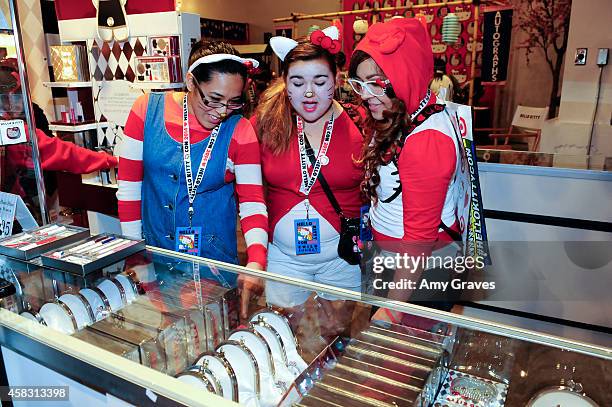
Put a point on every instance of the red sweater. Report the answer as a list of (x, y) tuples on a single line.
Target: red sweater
[(283, 177), (60, 155)]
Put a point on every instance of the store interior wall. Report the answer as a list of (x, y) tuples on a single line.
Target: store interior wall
[(522, 76), (569, 133), (260, 13)]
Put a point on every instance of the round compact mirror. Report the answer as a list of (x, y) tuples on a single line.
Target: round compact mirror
[(100, 306), (561, 396), (224, 373), (247, 372), (113, 293), (58, 317), (271, 392), (78, 309)]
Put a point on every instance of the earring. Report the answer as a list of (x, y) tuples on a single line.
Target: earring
[(309, 94), (223, 115)]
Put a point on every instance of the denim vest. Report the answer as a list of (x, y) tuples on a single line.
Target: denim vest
[(165, 201)]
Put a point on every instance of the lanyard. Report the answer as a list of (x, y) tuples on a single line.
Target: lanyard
[(322, 159), (192, 186), (422, 105)]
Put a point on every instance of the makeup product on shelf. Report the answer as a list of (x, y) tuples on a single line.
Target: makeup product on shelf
[(33, 243), (69, 63), (460, 389), (164, 46), (95, 253), (158, 69)]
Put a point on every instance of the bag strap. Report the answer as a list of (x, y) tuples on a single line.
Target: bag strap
[(323, 181), (427, 111)]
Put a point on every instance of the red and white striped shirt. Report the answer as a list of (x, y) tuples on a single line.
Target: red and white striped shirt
[(243, 166)]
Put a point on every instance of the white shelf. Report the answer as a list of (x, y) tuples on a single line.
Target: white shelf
[(152, 85), (99, 184), (68, 84), (76, 128)]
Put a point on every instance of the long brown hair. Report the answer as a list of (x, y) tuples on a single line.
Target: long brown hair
[(382, 139), (274, 112)]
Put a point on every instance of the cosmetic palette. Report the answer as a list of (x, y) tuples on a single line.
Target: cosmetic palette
[(92, 254), (33, 243)]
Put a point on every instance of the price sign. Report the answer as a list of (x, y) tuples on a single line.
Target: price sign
[(8, 203)]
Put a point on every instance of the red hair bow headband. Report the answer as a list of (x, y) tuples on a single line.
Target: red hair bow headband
[(319, 37), (327, 38), (251, 69)]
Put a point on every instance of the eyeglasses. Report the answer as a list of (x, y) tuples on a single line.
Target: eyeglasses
[(218, 105), (374, 88)]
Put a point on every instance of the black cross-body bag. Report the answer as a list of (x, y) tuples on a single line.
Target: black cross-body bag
[(348, 249)]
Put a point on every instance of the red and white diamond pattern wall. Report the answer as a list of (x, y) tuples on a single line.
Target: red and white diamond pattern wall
[(114, 60)]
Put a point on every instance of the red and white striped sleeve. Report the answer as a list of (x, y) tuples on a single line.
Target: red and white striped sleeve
[(244, 164), (131, 170)]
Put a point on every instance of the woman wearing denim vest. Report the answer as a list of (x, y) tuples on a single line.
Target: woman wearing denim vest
[(186, 156)]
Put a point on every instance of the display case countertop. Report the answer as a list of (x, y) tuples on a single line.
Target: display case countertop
[(182, 308)]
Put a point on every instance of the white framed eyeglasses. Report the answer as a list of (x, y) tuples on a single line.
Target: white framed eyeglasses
[(377, 87)]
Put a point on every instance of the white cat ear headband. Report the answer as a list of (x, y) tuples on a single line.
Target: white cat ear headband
[(251, 64), (327, 38)]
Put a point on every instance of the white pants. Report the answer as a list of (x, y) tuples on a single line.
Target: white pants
[(335, 272)]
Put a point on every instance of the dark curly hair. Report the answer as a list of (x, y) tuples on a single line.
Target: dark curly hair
[(382, 136), (203, 73)]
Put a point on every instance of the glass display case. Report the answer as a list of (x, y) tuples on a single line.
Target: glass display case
[(164, 328), (20, 170)]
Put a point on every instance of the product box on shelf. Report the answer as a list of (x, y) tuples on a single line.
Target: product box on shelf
[(462, 389), (117, 346), (70, 63), (92, 254), (211, 317), (32, 243), (150, 347), (158, 69), (164, 46), (197, 327), (172, 331)]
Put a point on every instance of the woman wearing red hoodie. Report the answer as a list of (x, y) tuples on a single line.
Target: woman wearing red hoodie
[(413, 153)]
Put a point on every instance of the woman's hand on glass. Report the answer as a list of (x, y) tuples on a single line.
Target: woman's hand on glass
[(249, 285)]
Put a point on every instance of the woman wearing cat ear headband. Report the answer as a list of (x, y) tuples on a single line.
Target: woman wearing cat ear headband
[(185, 157), (307, 139)]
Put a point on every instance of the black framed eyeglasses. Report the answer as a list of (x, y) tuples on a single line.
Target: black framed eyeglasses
[(217, 105)]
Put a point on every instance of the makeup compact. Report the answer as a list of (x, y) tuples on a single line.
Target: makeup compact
[(280, 323), (570, 395), (98, 301), (217, 368), (58, 316), (271, 391), (246, 369)]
